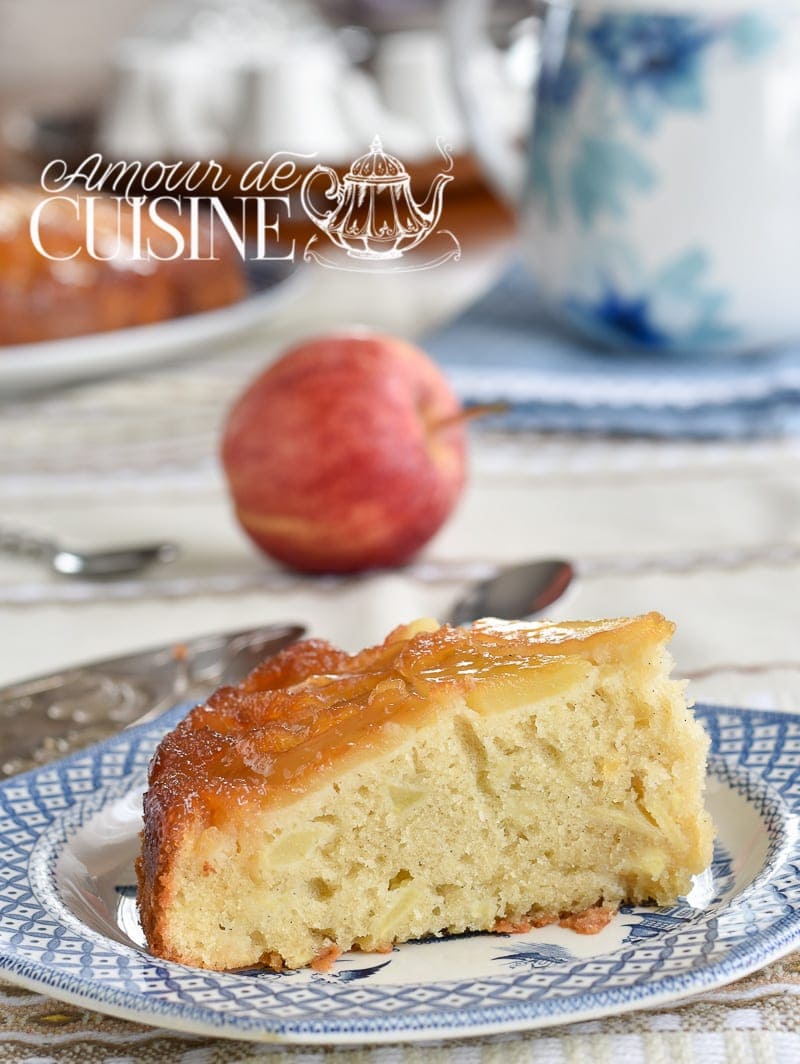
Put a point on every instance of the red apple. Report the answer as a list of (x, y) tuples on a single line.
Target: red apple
[(348, 453)]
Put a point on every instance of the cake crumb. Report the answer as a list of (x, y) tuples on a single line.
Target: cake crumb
[(511, 927), (586, 922), (543, 919), (209, 869), (325, 959), (590, 921)]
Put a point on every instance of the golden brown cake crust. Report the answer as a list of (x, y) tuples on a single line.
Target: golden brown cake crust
[(311, 709)]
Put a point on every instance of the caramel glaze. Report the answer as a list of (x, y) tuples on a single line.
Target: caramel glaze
[(304, 713), (42, 299)]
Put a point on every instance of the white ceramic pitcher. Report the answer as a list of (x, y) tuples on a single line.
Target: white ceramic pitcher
[(659, 193)]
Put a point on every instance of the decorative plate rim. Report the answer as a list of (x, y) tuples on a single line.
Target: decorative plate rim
[(745, 954)]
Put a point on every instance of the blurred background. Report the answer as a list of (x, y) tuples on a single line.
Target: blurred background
[(195, 79), (187, 80)]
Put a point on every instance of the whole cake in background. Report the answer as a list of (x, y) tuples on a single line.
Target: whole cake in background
[(497, 777), (43, 299)]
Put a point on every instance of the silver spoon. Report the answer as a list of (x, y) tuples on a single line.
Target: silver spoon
[(515, 592), (119, 561)]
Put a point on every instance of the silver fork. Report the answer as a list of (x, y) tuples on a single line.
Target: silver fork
[(53, 715)]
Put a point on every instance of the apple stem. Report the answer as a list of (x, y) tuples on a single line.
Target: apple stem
[(471, 414)]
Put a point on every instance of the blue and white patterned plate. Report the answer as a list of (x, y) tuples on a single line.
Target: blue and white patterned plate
[(68, 924)]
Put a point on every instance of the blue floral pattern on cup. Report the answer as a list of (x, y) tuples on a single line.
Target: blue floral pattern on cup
[(636, 66), (558, 88), (752, 34), (602, 177), (617, 303), (610, 85), (655, 62)]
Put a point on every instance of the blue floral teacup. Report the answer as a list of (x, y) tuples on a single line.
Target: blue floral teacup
[(660, 195)]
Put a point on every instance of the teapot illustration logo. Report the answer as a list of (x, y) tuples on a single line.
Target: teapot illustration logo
[(374, 218)]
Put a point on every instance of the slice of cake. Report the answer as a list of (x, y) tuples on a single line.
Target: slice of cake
[(450, 779)]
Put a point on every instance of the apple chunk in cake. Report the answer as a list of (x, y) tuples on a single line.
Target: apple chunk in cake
[(443, 781)]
